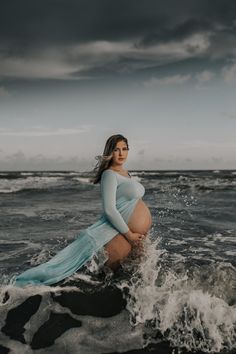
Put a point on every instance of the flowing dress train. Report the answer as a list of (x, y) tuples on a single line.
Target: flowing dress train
[(120, 195)]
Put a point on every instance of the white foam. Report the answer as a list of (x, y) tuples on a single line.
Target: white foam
[(175, 229), (230, 253), (32, 182), (82, 179), (186, 314), (176, 242), (217, 236)]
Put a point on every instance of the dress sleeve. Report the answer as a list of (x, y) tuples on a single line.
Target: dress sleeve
[(108, 190)]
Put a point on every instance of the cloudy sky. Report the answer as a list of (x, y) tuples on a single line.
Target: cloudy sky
[(162, 73)]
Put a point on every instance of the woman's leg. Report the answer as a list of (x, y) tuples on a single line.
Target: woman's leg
[(118, 249)]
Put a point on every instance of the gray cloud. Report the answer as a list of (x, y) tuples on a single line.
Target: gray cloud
[(217, 159), (229, 73), (204, 76), (84, 60), (19, 161), (64, 21), (141, 152), (4, 92), (229, 115), (45, 131), (177, 32), (169, 80), (69, 39)]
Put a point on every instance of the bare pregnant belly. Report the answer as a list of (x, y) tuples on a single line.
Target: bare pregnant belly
[(140, 220)]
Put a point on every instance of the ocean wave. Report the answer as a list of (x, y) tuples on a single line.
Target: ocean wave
[(15, 248), (38, 184), (193, 309)]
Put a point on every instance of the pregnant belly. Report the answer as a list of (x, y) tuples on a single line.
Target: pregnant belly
[(141, 219)]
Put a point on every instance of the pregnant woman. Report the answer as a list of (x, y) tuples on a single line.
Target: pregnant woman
[(122, 227), (139, 221)]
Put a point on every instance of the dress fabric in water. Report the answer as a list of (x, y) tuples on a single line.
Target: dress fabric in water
[(120, 195)]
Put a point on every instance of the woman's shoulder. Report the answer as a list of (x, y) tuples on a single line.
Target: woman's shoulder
[(108, 177), (108, 172)]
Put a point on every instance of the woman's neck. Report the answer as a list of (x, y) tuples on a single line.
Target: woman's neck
[(117, 168)]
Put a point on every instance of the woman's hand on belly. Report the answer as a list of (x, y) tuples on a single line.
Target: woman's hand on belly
[(134, 237)]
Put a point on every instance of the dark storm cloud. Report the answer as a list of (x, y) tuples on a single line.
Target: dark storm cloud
[(29, 29), (31, 23), (176, 32)]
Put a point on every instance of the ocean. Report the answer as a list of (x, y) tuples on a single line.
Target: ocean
[(179, 297)]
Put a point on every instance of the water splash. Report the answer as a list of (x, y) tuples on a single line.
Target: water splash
[(172, 305)]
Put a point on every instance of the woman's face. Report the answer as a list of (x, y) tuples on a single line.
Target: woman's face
[(120, 153)]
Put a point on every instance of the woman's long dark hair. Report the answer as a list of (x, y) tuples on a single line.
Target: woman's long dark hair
[(105, 160)]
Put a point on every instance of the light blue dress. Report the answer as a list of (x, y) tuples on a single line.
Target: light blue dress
[(120, 195)]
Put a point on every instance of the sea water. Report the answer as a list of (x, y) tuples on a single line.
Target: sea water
[(183, 288)]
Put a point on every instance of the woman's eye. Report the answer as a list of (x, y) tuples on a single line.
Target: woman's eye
[(124, 149)]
